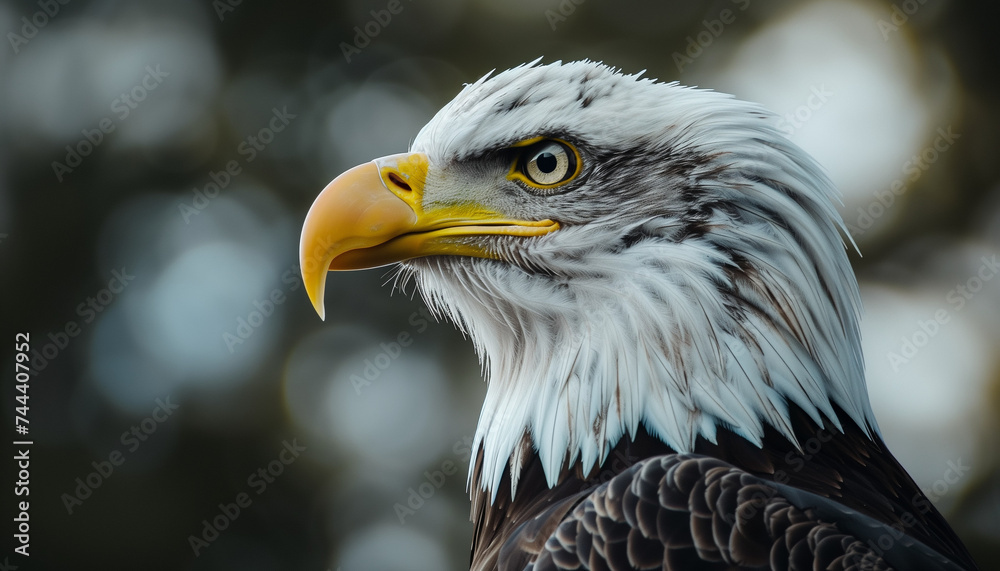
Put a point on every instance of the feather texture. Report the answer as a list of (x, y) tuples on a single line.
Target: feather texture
[(698, 279), (687, 512), (845, 476), (661, 366)]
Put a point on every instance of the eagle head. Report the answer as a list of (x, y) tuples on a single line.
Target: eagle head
[(624, 253)]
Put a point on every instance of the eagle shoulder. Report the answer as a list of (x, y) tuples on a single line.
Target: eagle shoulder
[(692, 512)]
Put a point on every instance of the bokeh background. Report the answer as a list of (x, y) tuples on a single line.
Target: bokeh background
[(175, 146)]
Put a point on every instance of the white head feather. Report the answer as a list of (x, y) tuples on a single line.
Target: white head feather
[(698, 278)]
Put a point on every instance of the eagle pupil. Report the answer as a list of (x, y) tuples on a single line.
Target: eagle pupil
[(546, 162)]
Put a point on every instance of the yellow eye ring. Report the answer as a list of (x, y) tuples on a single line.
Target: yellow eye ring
[(545, 163)]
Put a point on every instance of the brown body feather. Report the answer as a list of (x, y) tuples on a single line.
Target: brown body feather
[(543, 528)]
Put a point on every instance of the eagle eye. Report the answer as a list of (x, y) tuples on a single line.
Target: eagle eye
[(545, 163)]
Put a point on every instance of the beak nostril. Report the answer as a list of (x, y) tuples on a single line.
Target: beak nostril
[(398, 181)]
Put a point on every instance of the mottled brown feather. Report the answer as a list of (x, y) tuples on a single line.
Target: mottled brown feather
[(717, 522)]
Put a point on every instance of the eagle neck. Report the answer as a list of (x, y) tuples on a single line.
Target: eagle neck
[(574, 365)]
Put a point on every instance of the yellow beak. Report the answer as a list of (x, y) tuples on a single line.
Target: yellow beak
[(373, 215)]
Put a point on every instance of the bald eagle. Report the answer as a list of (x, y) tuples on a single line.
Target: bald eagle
[(656, 282)]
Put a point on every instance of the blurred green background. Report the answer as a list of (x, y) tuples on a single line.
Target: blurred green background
[(157, 160)]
